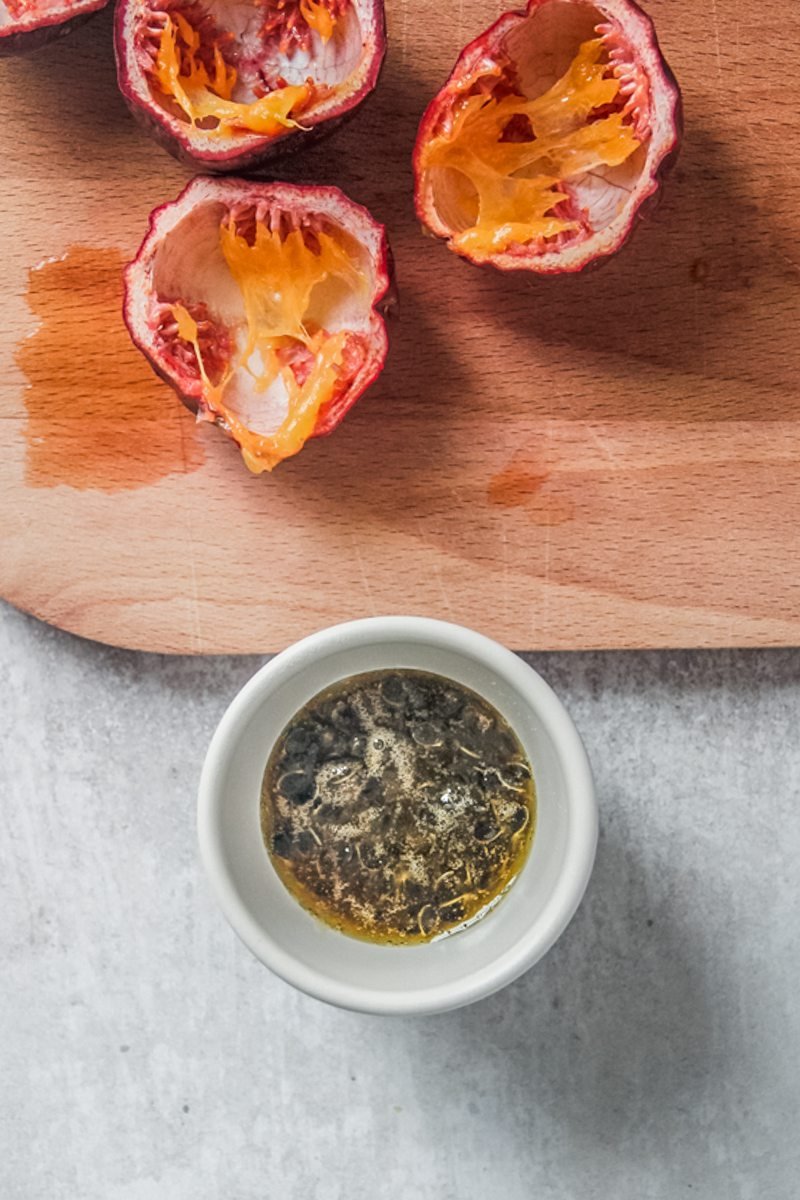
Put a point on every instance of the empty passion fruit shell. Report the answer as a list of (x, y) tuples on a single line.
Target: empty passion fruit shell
[(261, 305), (26, 24), (226, 84), (554, 128)]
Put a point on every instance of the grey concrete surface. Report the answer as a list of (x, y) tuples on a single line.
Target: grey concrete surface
[(655, 1052)]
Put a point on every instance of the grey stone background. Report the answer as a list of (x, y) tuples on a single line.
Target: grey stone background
[(655, 1052)]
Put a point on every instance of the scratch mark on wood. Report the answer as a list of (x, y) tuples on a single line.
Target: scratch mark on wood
[(715, 18), (403, 33), (603, 444), (445, 595), (505, 569), (548, 534), (699, 330), (364, 576), (437, 570), (194, 596)]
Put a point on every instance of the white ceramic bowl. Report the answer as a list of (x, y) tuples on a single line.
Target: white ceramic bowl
[(439, 975)]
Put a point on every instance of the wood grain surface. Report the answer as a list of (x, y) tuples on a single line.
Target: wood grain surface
[(607, 460)]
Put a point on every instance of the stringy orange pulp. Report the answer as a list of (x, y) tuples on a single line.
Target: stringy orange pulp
[(276, 276), (203, 94), (515, 184), (318, 17)]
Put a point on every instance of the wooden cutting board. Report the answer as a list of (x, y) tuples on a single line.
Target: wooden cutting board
[(608, 460)]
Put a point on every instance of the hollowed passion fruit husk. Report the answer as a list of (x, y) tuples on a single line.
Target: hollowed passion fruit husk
[(551, 134), (262, 306), (27, 24), (226, 84)]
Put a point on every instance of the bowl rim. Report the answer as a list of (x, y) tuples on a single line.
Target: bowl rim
[(579, 792)]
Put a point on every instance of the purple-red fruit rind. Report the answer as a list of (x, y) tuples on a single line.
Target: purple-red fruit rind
[(25, 35)]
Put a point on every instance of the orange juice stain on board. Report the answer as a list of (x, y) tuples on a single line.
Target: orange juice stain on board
[(98, 418), (520, 485)]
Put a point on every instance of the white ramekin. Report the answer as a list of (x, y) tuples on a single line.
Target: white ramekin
[(454, 970)]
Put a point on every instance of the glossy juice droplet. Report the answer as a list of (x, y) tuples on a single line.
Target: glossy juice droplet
[(98, 417)]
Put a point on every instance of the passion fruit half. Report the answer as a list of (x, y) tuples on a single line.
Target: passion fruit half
[(26, 24), (554, 129), (262, 306), (225, 84)]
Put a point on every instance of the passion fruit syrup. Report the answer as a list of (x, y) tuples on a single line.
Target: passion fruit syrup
[(397, 806)]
